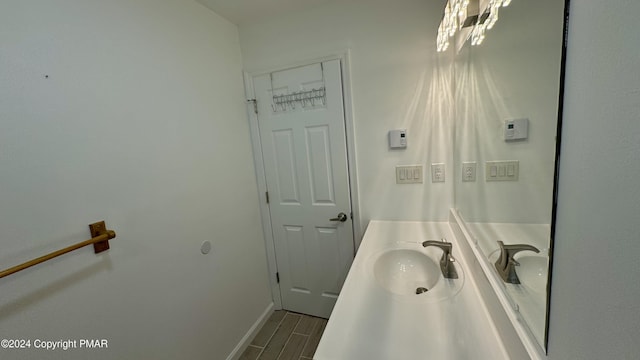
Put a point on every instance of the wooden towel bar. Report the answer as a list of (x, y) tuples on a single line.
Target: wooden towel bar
[(100, 240)]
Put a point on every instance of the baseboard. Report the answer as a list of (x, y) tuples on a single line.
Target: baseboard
[(253, 331)]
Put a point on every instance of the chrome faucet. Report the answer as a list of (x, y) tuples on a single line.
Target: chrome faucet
[(506, 264), (446, 261)]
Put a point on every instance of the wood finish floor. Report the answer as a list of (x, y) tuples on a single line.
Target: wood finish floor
[(286, 336)]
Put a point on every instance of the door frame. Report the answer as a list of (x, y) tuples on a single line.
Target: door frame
[(256, 143)]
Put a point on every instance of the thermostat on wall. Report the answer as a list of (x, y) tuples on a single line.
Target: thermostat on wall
[(398, 139), (516, 129)]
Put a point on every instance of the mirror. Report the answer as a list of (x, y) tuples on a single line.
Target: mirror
[(514, 74)]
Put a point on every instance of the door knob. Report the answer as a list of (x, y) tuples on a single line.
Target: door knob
[(342, 217)]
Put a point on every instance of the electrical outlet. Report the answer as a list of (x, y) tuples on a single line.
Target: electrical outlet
[(437, 172), (469, 171)]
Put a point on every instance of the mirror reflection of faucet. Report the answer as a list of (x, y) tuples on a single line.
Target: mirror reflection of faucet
[(506, 264), (446, 261)]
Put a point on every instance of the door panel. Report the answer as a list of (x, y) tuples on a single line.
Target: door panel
[(286, 175), (304, 152), (319, 160), (297, 259)]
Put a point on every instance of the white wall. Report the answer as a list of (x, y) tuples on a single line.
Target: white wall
[(131, 126), (513, 74), (396, 83), (595, 312)]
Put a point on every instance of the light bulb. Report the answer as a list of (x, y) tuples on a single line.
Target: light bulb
[(493, 17)]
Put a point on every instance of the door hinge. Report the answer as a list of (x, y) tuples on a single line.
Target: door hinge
[(278, 277), (255, 104), (266, 194)]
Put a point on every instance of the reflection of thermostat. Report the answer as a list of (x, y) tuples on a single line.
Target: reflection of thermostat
[(398, 139), (516, 129)]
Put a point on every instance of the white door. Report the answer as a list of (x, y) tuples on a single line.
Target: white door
[(302, 131)]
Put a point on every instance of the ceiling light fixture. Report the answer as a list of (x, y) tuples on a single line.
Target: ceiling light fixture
[(468, 19)]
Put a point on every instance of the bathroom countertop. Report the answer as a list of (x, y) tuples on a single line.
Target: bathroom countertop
[(370, 323)]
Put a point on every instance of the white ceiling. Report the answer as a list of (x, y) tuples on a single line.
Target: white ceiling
[(240, 11)]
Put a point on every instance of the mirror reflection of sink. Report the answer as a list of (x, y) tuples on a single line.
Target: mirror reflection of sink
[(533, 272), (403, 271)]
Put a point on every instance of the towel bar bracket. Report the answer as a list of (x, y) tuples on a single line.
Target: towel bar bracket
[(98, 229)]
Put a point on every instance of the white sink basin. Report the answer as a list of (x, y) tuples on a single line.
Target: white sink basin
[(533, 272), (403, 271)]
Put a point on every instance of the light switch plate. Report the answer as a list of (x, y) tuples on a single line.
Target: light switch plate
[(502, 170), (409, 174)]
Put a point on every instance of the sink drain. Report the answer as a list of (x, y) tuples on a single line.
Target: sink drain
[(421, 290)]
